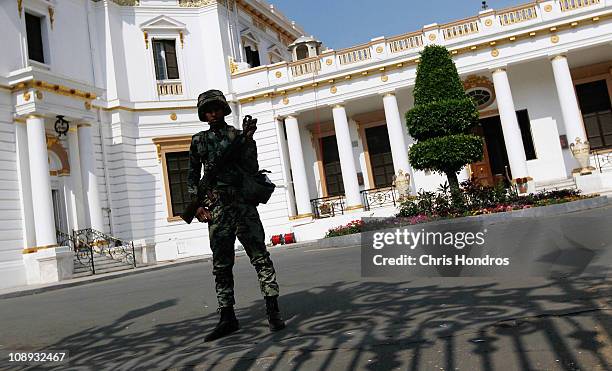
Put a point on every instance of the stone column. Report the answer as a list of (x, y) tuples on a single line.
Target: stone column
[(509, 123), (572, 119), (76, 183), (399, 150), (44, 219), (284, 158), (347, 160), (23, 171), (298, 168), (93, 207)]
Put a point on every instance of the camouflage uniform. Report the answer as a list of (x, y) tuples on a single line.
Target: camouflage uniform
[(231, 216)]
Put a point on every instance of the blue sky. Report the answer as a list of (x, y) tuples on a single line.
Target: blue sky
[(344, 23)]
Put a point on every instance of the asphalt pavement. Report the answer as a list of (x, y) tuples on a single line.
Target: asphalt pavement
[(337, 320)]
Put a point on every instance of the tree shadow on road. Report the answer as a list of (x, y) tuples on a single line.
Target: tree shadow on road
[(372, 325)]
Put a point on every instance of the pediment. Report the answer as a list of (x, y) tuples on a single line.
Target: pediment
[(163, 22), (250, 35)]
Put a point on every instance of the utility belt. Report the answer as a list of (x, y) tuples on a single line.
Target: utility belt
[(226, 195)]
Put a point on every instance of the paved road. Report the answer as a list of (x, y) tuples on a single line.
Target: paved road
[(336, 319)]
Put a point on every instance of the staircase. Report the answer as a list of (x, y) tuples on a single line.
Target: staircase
[(102, 264), (109, 254), (555, 185)]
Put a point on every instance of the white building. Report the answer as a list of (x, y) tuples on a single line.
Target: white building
[(125, 74)]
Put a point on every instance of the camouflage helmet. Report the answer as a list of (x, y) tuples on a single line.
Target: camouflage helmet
[(212, 96)]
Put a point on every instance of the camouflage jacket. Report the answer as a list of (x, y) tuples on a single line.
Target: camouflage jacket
[(207, 146)]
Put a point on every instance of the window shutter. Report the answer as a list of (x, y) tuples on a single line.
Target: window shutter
[(158, 59), (171, 63)]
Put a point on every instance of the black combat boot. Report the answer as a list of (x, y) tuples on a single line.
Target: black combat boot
[(227, 324), (274, 318)]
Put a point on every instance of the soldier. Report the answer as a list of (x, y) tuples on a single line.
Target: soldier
[(228, 215)]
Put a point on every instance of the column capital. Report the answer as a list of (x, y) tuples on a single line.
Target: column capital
[(388, 94), (558, 57), (337, 105), (498, 70), (34, 116), (293, 116), (83, 125)]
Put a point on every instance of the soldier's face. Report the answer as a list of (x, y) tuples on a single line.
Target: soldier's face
[(214, 113)]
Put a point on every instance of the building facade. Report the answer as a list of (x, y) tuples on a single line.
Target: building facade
[(125, 75)]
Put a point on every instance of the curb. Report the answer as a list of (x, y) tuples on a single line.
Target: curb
[(541, 211), (105, 277), (340, 241)]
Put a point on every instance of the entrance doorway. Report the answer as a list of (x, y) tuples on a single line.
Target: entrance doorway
[(494, 166), (331, 166), (59, 210), (381, 159)]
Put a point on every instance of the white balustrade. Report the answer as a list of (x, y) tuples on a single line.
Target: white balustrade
[(456, 30), (304, 68), (518, 15), (355, 55), (169, 88), (567, 5), (405, 42)]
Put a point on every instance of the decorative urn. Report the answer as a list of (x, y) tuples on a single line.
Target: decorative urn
[(401, 182), (581, 152)]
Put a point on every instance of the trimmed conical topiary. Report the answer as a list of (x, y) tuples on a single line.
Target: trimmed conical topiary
[(442, 118)]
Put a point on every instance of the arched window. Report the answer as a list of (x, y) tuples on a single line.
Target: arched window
[(301, 52)]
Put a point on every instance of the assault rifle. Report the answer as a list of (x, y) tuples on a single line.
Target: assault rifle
[(204, 186)]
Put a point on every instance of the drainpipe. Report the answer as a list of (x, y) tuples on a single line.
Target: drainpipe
[(98, 117)]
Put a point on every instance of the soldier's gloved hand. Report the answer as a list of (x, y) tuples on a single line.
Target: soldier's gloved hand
[(203, 215), (249, 125)]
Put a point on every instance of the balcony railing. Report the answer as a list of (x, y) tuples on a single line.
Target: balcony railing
[(567, 5), (454, 31), (405, 42), (379, 197), (169, 88), (305, 68), (355, 55), (518, 15), (326, 207)]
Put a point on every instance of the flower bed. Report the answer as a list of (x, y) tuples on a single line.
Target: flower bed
[(474, 199)]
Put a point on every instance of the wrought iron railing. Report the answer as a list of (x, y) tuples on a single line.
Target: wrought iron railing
[(83, 253), (379, 197), (326, 207), (109, 246), (602, 160)]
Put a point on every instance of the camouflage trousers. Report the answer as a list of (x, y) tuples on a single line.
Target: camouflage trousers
[(231, 220)]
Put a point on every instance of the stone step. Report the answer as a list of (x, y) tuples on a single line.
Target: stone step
[(556, 185)]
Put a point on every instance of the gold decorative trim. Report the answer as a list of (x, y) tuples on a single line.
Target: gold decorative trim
[(27, 96), (560, 56), (432, 37), (173, 116), (354, 207), (455, 52), (35, 116), (38, 94), (384, 78), (19, 7), (554, 39), (30, 250), (54, 88), (333, 90), (488, 23), (18, 120), (548, 8), (278, 74), (498, 70), (182, 39), (146, 39), (232, 65), (51, 16), (301, 216), (337, 105), (389, 94), (83, 125), (329, 61), (379, 49), (285, 100), (495, 53), (87, 105)]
